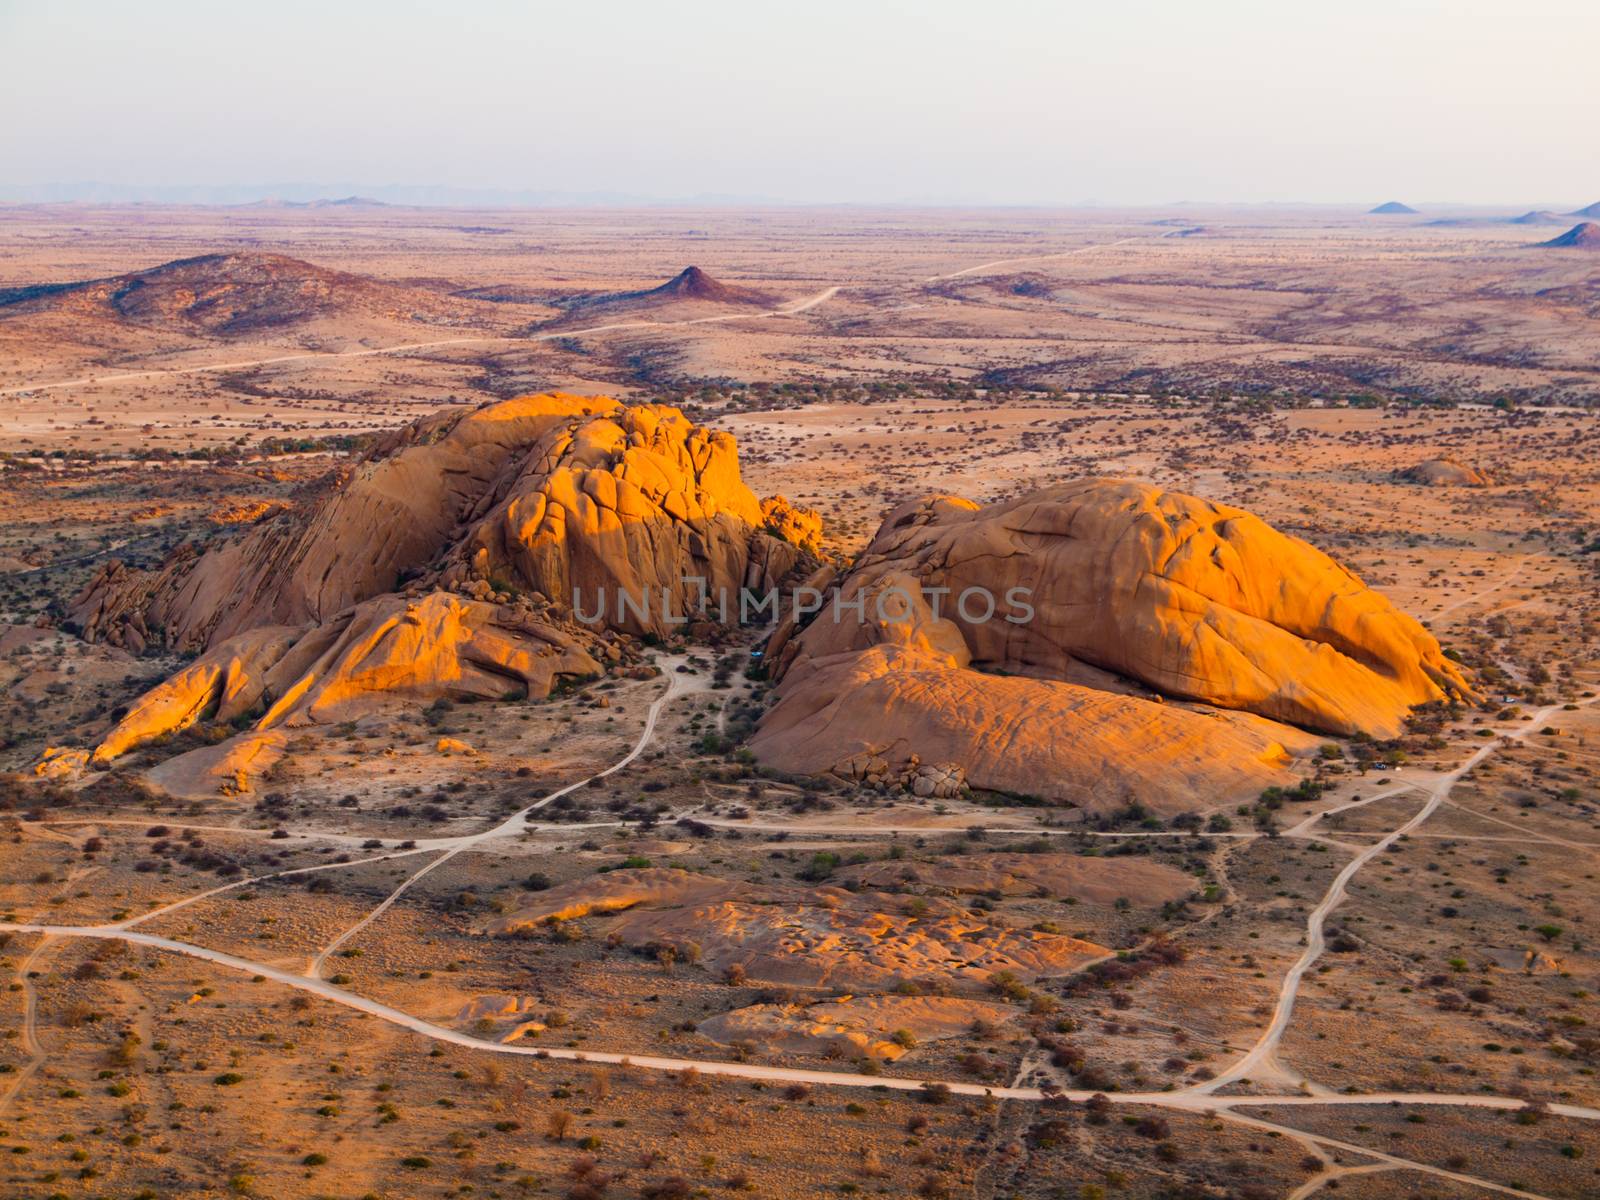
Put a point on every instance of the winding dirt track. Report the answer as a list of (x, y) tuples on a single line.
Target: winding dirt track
[(679, 683), (1263, 1053)]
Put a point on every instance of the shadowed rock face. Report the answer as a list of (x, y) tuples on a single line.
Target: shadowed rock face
[(553, 494), (1132, 590)]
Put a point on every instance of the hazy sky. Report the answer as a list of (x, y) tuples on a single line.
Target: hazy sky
[(1013, 101)]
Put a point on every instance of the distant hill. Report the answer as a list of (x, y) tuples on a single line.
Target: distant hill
[(341, 202), (690, 284), (1532, 217), (1583, 236), (1392, 208), (225, 295), (1592, 211)]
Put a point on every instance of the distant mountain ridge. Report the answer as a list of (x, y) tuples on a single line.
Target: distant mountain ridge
[(326, 194)]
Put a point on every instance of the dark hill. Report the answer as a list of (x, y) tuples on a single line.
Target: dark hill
[(1392, 208), (694, 284), (689, 284), (1583, 236)]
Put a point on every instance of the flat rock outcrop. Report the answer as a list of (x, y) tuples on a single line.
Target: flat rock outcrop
[(614, 891), (855, 1026), (814, 937), (843, 945), (1068, 621)]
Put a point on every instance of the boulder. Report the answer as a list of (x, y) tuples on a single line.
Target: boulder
[(936, 781), (1446, 472)]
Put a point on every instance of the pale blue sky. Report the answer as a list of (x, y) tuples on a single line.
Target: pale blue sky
[(1011, 101)]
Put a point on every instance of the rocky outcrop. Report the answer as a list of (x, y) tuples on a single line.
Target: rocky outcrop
[(793, 523), (388, 650), (1068, 621), (936, 781), (1446, 472), (634, 509), (580, 501), (1188, 598)]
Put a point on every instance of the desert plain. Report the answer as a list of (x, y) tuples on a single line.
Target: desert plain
[(1261, 864)]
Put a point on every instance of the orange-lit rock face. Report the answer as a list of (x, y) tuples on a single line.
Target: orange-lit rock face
[(389, 650), (794, 523), (560, 495), (554, 508), (1043, 737), (633, 503), (1193, 599), (1125, 590)]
